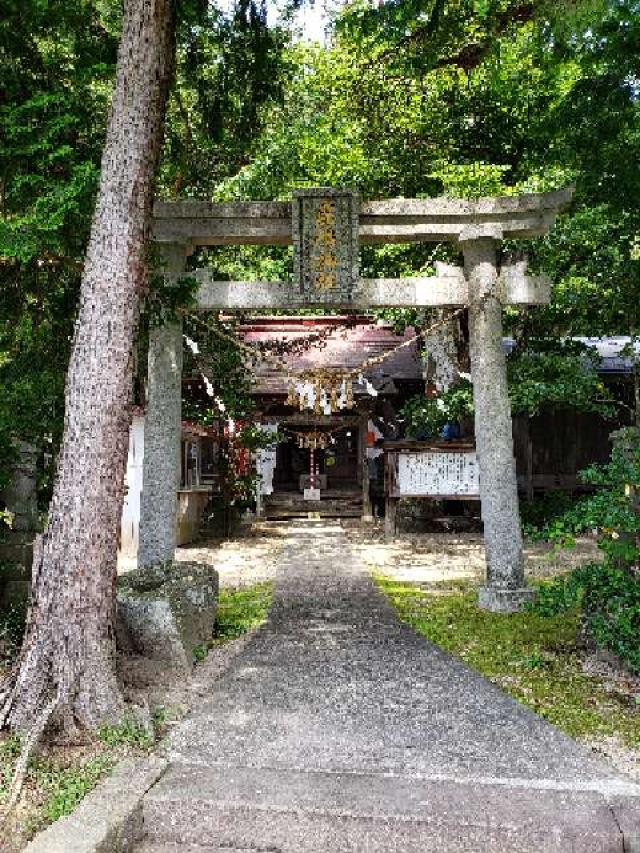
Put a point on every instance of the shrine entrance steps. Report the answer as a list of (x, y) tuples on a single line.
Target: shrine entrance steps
[(334, 503), (339, 730)]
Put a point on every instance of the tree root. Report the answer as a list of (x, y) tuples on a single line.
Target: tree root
[(31, 741)]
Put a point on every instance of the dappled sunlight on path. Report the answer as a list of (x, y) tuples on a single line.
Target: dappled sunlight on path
[(437, 558), (250, 558), (339, 728)]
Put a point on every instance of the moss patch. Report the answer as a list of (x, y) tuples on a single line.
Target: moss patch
[(240, 610), (534, 658)]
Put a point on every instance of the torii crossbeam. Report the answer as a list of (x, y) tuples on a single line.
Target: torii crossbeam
[(326, 227)]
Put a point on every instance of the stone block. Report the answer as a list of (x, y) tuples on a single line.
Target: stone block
[(164, 612), (109, 819), (500, 600), (626, 811)]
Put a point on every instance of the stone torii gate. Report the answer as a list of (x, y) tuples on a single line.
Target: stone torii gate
[(326, 227)]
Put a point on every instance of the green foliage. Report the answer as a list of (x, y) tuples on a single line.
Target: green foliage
[(615, 508), (240, 609), (557, 374), (539, 514), (609, 598), (168, 301), (607, 592), (200, 653), (128, 732), (57, 64), (610, 511), (532, 656), (611, 603), (224, 364), (57, 61), (473, 180), (65, 787), (10, 746), (253, 438), (410, 99), (229, 69), (428, 415)]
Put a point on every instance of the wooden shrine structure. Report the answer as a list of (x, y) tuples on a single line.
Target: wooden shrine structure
[(326, 227)]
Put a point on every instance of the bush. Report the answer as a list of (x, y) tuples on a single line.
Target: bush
[(611, 608), (429, 415), (609, 598), (543, 516)]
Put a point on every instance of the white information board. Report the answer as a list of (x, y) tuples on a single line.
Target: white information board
[(428, 473)]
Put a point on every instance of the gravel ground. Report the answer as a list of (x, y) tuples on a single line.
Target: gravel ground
[(249, 558), (437, 557)]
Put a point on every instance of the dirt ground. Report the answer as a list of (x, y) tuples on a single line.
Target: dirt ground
[(433, 557), (251, 557)]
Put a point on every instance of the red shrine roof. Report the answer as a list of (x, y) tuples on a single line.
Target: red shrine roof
[(346, 343)]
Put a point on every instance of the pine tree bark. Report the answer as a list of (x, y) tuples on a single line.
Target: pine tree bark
[(66, 667)]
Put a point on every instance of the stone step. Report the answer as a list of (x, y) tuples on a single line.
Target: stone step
[(177, 847), (292, 811)]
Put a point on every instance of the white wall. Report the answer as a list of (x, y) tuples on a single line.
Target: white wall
[(130, 524)]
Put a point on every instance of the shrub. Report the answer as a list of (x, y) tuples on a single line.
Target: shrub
[(609, 598), (429, 415)]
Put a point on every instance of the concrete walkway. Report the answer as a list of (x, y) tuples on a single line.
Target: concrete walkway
[(339, 729)]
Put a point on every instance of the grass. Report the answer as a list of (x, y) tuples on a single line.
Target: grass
[(534, 658), (129, 732), (64, 787), (58, 778), (240, 610)]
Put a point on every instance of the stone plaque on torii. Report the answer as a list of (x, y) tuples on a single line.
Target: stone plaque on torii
[(326, 227)]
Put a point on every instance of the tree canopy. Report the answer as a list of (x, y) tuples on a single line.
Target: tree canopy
[(412, 98)]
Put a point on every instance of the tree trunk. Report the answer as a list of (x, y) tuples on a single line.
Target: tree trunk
[(67, 662)]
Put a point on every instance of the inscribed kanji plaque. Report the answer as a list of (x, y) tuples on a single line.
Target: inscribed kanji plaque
[(325, 245)]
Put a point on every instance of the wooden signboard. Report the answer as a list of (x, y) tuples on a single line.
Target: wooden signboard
[(432, 470)]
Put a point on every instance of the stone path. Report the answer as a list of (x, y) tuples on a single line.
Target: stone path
[(339, 729)]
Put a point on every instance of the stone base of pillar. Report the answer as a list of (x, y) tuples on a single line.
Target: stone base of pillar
[(367, 518), (504, 600)]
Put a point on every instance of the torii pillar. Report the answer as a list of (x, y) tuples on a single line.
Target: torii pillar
[(504, 589), (163, 415)]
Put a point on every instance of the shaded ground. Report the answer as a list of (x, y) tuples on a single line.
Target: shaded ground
[(333, 652), (61, 775), (441, 562), (333, 697), (320, 579)]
